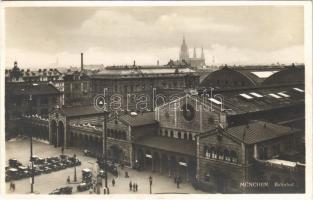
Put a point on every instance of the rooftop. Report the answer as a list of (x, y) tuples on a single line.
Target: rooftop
[(31, 89), (240, 101), (79, 110), (139, 120), (137, 71), (258, 131), (186, 147)]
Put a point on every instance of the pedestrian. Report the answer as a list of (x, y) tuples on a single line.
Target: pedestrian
[(134, 187), (62, 149), (177, 183), (130, 186), (68, 180), (113, 182), (13, 187)]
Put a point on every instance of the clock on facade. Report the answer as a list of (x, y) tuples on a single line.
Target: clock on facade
[(188, 112)]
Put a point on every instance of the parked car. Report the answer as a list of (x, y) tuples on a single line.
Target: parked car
[(90, 153), (63, 190), (86, 175), (101, 174), (13, 174), (13, 163), (45, 169), (84, 186), (37, 170), (75, 161), (23, 171)]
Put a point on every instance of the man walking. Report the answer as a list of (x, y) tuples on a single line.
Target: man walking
[(130, 185), (134, 187), (113, 182)]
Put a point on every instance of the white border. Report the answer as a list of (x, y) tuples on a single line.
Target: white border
[(308, 91)]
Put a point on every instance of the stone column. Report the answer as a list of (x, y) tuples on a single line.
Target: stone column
[(255, 151), (169, 166)]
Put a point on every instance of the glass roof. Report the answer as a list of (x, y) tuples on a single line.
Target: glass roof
[(246, 96), (264, 74)]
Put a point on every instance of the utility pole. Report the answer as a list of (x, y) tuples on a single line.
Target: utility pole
[(102, 103), (31, 150)]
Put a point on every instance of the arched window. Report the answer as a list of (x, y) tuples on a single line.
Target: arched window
[(124, 135), (179, 134), (233, 157), (205, 150), (185, 136), (226, 155), (165, 133), (213, 153), (190, 136), (220, 154)]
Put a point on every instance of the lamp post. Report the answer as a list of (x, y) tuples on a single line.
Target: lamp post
[(31, 161), (150, 182), (102, 104), (75, 176)]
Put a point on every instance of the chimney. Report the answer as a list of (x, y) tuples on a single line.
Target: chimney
[(223, 119), (81, 61)]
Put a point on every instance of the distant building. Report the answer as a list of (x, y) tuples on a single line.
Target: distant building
[(24, 77), (132, 81), (194, 62), (77, 86), (31, 100)]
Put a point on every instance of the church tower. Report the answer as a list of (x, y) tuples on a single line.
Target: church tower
[(184, 54), (202, 54), (194, 53)]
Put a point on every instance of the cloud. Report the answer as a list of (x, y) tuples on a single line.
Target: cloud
[(112, 35)]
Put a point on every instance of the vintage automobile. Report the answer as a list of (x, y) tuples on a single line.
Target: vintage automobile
[(45, 169), (90, 153), (23, 171), (101, 174), (75, 161), (63, 190), (13, 174), (13, 163), (86, 175), (84, 186)]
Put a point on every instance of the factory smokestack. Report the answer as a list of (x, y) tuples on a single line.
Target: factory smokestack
[(81, 61)]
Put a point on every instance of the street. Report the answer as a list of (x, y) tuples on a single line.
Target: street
[(45, 183)]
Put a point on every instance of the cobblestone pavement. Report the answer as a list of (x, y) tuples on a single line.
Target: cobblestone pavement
[(44, 184)]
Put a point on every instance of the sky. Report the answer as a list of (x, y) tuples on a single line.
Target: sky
[(233, 35)]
